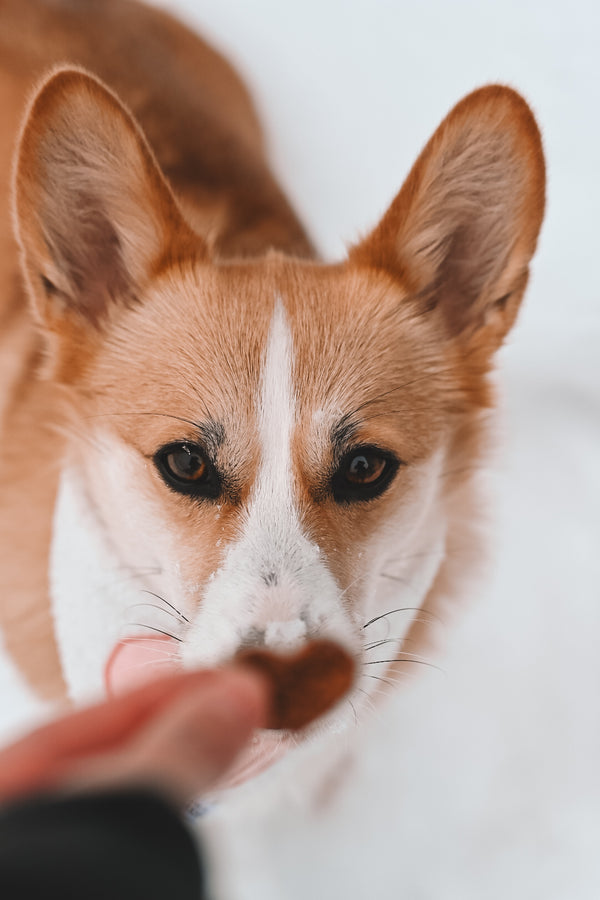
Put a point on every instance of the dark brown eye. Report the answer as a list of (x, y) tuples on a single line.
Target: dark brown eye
[(363, 474), (364, 468), (185, 467), (186, 463)]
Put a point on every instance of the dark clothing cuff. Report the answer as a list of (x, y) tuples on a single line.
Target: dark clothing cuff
[(125, 845)]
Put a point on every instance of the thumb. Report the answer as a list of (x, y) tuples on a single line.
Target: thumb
[(191, 744)]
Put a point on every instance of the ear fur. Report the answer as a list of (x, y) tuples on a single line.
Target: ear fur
[(462, 230), (94, 215)]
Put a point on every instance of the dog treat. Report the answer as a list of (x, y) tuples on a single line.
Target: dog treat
[(305, 684)]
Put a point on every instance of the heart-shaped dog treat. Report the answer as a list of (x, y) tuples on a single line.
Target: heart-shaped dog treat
[(306, 684)]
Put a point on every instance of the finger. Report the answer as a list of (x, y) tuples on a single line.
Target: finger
[(190, 744)]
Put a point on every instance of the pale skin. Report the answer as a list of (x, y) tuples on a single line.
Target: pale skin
[(177, 735)]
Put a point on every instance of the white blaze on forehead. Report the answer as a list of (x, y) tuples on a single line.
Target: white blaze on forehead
[(277, 408), (272, 529)]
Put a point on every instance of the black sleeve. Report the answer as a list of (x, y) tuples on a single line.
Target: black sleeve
[(126, 845)]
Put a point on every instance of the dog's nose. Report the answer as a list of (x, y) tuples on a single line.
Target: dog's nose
[(304, 685)]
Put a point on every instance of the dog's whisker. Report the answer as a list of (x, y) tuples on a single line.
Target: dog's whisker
[(351, 585), (153, 628), (421, 620), (141, 571), (161, 609), (393, 390), (369, 699), (355, 714), (191, 422), (375, 644), (126, 640), (402, 659), (379, 678), (159, 655), (162, 600), (68, 430), (393, 678), (420, 555), (401, 609), (394, 412), (155, 662), (400, 579)]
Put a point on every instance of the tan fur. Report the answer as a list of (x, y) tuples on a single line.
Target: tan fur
[(190, 244)]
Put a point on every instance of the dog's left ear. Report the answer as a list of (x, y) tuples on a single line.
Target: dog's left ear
[(94, 215), (460, 234)]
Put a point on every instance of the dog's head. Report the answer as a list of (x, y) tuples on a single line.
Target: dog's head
[(280, 440)]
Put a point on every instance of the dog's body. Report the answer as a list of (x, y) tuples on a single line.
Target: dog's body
[(335, 413)]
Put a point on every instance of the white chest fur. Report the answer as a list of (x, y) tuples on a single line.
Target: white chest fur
[(91, 591)]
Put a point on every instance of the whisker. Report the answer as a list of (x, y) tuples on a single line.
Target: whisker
[(158, 630), (394, 412), (393, 390), (154, 662), (399, 578), (69, 431), (161, 651), (379, 678), (162, 599), (399, 610), (126, 640), (402, 659), (153, 606), (422, 555), (351, 585), (380, 643), (393, 678), (141, 571), (161, 415), (354, 711)]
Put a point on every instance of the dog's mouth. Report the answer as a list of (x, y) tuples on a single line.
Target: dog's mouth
[(304, 686)]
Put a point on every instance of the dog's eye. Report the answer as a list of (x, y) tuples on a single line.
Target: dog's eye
[(363, 474), (364, 468), (185, 463), (186, 468)]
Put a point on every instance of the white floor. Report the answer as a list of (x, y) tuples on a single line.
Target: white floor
[(482, 781)]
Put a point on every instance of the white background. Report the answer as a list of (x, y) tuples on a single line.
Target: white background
[(482, 781)]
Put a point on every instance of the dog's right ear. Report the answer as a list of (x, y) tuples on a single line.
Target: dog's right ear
[(460, 234), (94, 215)]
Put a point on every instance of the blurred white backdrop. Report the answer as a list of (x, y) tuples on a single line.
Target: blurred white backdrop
[(482, 781)]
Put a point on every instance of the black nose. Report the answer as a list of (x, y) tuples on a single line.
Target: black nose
[(304, 685)]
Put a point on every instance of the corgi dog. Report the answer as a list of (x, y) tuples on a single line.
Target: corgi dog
[(209, 437)]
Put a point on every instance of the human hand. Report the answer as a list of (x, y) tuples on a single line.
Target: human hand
[(178, 735)]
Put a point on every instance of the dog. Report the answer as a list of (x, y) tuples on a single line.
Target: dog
[(210, 437)]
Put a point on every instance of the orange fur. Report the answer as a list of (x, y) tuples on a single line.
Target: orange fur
[(153, 255)]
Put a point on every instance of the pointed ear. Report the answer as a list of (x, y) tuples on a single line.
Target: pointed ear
[(461, 232), (94, 215)]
